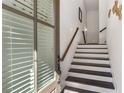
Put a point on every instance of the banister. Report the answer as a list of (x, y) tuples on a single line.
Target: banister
[(84, 37), (103, 29), (67, 49)]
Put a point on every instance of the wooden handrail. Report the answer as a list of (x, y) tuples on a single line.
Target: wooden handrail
[(67, 49), (103, 29), (84, 37)]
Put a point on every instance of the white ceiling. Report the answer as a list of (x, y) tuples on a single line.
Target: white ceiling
[(92, 5)]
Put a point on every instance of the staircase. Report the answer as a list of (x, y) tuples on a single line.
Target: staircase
[(90, 71)]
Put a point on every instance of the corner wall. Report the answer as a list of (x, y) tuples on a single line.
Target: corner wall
[(68, 23), (103, 14), (114, 41)]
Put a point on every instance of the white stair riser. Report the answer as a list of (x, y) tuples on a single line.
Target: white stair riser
[(92, 46), (88, 76), (92, 50), (92, 55), (89, 87), (91, 68), (91, 61)]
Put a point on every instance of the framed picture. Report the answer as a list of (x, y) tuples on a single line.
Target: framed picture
[(80, 15)]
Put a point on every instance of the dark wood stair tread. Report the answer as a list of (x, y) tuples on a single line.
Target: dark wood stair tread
[(78, 90), (91, 44), (90, 48), (97, 83), (91, 64), (95, 58), (91, 52), (98, 73)]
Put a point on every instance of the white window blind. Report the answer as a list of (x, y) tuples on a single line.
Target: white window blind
[(46, 55), (18, 68), (46, 10), (18, 46), (25, 6)]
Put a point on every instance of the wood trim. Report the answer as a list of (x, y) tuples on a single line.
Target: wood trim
[(103, 29), (67, 49), (35, 45), (57, 35)]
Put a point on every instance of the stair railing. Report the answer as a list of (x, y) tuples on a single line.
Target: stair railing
[(103, 29), (69, 45), (84, 37)]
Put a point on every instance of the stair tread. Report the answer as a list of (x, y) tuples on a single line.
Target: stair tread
[(91, 68), (99, 73), (91, 61), (78, 90), (91, 64), (88, 87), (90, 76), (76, 57), (97, 83), (91, 44), (81, 52), (90, 48)]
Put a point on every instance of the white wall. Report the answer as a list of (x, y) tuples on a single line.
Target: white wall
[(114, 41), (68, 23), (92, 26), (103, 4)]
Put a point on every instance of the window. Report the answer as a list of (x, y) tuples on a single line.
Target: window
[(20, 26)]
